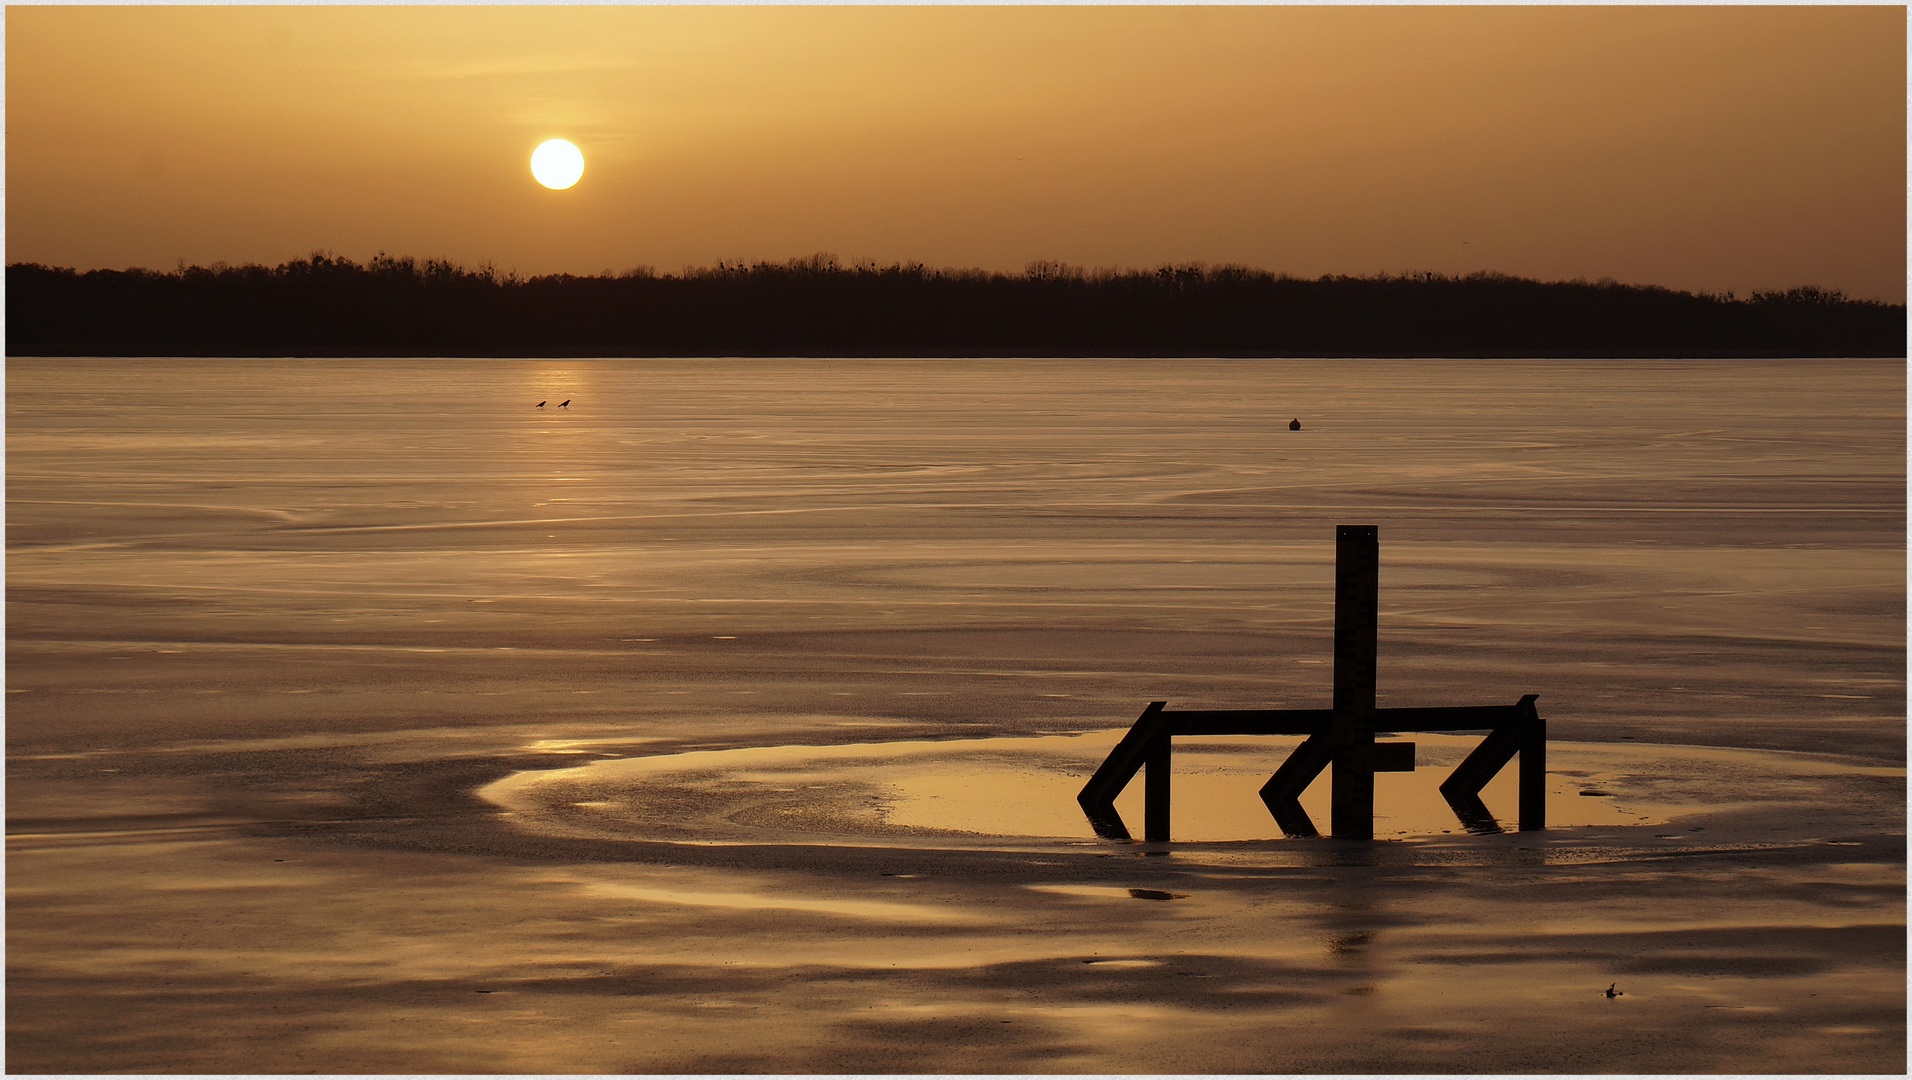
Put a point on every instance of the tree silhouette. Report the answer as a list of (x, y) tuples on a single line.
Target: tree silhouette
[(325, 305)]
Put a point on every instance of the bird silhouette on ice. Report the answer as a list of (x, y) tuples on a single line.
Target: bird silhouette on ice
[(1294, 425), (566, 403)]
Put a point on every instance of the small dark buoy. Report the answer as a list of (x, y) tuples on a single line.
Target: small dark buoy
[(540, 404), (1612, 993), (1294, 425), (566, 402)]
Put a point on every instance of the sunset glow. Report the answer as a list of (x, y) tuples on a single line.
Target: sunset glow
[(1694, 147)]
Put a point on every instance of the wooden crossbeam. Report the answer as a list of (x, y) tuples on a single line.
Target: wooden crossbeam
[(1314, 721)]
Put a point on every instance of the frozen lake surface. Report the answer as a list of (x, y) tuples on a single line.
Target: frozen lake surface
[(363, 717), (1702, 551)]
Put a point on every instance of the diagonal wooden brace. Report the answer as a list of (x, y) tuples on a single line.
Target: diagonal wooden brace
[(1525, 734), (1282, 792), (1128, 757)]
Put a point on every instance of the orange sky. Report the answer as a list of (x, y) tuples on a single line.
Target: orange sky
[(1700, 148)]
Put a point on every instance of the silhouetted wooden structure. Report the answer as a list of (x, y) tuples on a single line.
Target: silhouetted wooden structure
[(1342, 736)]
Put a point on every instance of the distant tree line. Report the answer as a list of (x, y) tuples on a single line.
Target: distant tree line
[(330, 306)]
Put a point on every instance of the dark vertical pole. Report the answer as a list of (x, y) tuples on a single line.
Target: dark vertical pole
[(1357, 625), (1533, 774), (1155, 789)]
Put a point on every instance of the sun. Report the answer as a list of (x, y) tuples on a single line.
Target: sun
[(557, 164)]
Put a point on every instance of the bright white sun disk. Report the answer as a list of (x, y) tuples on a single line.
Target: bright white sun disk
[(557, 164)]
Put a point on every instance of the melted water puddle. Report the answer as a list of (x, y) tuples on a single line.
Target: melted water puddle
[(877, 910), (1025, 788)]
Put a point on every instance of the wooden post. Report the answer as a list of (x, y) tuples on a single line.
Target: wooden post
[(1357, 624), (1533, 770), (1155, 788)]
